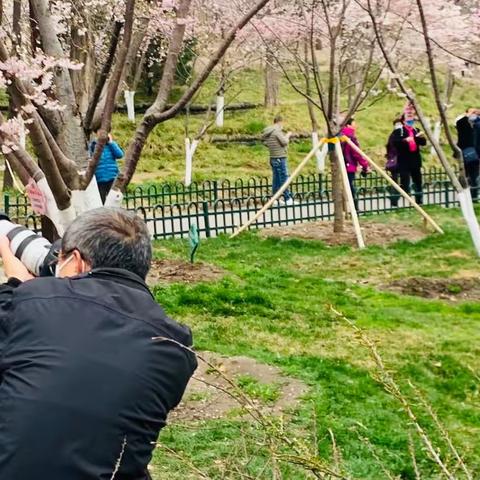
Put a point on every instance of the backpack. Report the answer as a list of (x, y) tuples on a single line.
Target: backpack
[(391, 154)]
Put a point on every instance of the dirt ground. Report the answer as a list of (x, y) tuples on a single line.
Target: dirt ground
[(375, 233), (206, 398), (170, 271), (452, 289)]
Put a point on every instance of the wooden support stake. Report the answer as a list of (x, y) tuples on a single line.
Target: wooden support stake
[(349, 195), (279, 192), (397, 187)]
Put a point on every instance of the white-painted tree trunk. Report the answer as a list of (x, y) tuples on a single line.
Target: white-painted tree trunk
[(188, 163), (114, 198), (466, 205), (320, 154), (130, 102), (88, 199), (190, 148), (52, 211), (219, 118)]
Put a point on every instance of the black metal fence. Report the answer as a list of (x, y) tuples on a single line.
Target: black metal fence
[(219, 206)]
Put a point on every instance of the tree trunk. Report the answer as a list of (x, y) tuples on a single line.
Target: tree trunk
[(48, 229), (17, 39), (337, 193), (83, 81), (7, 178), (134, 59), (272, 80), (69, 131)]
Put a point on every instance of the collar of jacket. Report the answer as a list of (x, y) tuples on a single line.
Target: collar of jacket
[(118, 275), (348, 131)]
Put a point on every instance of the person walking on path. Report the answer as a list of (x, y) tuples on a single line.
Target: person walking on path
[(468, 130), (408, 140), (277, 142), (107, 168), (391, 165), (353, 160)]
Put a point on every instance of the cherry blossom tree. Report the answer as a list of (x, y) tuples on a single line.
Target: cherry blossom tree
[(328, 56), (64, 81)]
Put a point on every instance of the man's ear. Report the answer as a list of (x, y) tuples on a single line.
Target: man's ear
[(79, 262)]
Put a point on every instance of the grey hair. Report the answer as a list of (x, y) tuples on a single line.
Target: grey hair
[(110, 238)]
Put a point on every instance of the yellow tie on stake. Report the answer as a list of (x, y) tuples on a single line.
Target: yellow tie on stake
[(341, 138), (332, 140)]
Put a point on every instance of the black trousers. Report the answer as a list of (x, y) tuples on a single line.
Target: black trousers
[(394, 195), (412, 175), (472, 171), (104, 188), (351, 181)]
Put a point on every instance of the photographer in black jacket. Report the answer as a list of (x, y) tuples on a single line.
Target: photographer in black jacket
[(90, 365)]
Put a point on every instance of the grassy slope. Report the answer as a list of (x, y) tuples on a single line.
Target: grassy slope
[(274, 306), (163, 157)]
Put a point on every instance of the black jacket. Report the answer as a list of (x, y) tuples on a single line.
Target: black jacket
[(406, 159), (83, 378), (465, 133)]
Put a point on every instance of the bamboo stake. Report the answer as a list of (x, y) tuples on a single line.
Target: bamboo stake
[(279, 192), (400, 190), (349, 195)]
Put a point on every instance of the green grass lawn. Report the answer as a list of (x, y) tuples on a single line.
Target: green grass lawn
[(274, 305), (163, 156)]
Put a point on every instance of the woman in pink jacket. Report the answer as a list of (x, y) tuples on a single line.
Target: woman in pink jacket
[(353, 160)]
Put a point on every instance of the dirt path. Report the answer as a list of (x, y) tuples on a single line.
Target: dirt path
[(206, 396)]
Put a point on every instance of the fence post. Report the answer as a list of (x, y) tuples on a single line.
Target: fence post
[(6, 204), (206, 219), (447, 194), (215, 190)]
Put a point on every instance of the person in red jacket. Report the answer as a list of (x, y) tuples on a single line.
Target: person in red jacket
[(353, 160)]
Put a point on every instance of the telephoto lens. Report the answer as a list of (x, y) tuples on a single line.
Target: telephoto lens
[(31, 249)]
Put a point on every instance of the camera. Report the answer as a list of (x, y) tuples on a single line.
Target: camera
[(35, 252)]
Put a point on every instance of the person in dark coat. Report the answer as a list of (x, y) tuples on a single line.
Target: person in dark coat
[(90, 364), (468, 131), (407, 141), (391, 155)]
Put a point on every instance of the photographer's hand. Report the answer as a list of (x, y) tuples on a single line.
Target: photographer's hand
[(12, 266)]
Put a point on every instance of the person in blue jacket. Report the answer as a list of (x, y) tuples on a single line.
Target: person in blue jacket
[(107, 168)]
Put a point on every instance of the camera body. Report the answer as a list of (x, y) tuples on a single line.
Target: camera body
[(34, 251)]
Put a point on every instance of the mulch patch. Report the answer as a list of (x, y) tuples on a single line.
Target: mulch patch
[(375, 233), (454, 289)]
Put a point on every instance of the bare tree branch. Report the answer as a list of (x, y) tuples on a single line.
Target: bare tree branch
[(113, 85), (411, 97), (107, 66)]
